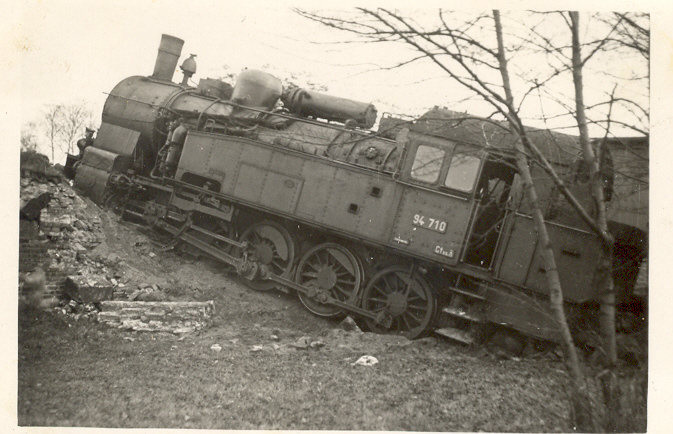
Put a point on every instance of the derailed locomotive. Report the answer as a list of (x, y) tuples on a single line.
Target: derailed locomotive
[(418, 226)]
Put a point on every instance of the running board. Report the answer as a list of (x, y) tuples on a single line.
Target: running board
[(462, 314), (468, 293), (456, 334)]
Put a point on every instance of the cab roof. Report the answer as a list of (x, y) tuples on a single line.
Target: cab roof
[(558, 148)]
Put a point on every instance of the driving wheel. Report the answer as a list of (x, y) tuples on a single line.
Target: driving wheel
[(272, 245), (330, 269), (405, 303)]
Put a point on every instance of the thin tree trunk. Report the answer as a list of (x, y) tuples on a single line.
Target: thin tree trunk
[(606, 283), (580, 402)]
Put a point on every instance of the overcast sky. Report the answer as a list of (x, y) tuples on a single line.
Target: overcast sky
[(76, 50)]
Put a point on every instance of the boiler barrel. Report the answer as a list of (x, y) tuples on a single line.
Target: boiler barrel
[(137, 103)]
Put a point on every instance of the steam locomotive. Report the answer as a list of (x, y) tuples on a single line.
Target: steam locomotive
[(417, 226)]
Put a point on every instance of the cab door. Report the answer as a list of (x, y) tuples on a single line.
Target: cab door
[(437, 203)]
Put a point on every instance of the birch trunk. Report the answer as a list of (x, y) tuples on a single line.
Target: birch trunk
[(605, 283), (580, 401)]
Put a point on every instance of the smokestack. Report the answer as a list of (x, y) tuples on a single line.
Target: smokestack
[(170, 49)]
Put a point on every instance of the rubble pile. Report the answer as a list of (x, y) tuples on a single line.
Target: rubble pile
[(65, 263), (55, 234)]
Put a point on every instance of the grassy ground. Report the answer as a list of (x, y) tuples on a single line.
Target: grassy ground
[(83, 374)]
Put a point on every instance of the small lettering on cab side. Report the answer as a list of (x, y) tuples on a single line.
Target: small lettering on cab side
[(440, 251)]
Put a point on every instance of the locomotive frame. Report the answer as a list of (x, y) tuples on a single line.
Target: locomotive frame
[(416, 227)]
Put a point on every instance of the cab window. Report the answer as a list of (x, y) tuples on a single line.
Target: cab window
[(427, 164), (463, 170)]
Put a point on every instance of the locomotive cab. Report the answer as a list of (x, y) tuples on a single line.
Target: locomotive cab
[(476, 186)]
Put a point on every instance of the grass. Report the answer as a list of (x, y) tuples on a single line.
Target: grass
[(83, 374)]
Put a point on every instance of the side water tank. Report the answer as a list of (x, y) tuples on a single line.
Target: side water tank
[(257, 89)]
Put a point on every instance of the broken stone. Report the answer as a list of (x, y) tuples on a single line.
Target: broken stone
[(366, 361), (216, 347), (349, 324), (256, 348), (317, 344), (274, 338), (108, 316), (79, 224), (155, 314), (303, 343), (77, 247), (184, 330), (87, 290), (151, 296)]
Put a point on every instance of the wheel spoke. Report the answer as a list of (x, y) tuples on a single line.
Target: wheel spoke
[(403, 319), (417, 308), (412, 316), (255, 238), (411, 298), (345, 295), (379, 300), (379, 290), (320, 259), (342, 273)]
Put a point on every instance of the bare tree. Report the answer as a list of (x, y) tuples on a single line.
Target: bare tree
[(74, 118), (62, 125), (631, 31), (617, 34), (52, 125), (29, 137)]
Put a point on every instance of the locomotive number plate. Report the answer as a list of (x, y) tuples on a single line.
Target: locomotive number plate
[(429, 223)]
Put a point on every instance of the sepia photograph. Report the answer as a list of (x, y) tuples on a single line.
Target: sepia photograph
[(323, 216)]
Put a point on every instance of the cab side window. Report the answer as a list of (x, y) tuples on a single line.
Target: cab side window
[(463, 170), (427, 164)]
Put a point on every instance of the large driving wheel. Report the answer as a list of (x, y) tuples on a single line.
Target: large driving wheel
[(272, 245), (405, 302), (331, 270)]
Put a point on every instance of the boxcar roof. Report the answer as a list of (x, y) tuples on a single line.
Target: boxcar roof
[(465, 128)]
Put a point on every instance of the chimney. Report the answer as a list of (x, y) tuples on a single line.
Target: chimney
[(170, 49)]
